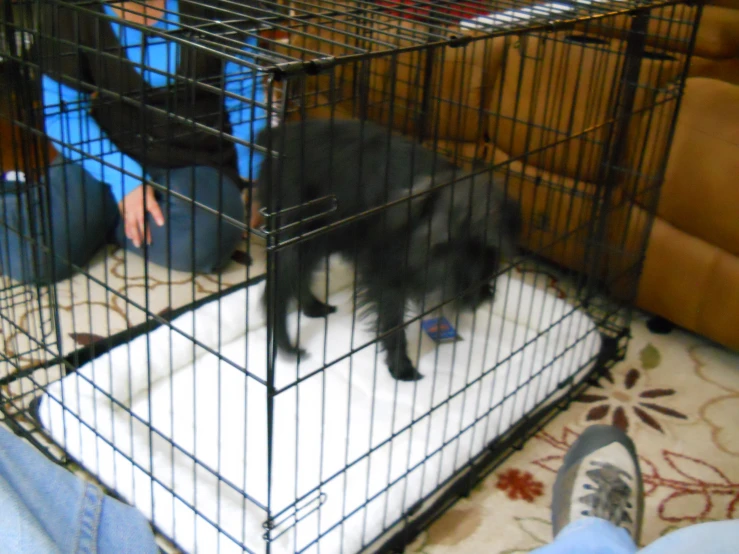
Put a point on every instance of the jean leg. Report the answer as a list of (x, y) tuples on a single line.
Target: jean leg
[(59, 508), (716, 537), (193, 239), (40, 242), (590, 535), (20, 531)]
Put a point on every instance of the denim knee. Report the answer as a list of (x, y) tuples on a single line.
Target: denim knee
[(50, 269), (27, 250), (207, 241), (46, 230), (31, 264)]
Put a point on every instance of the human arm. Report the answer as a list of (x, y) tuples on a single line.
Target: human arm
[(80, 139), (246, 117)]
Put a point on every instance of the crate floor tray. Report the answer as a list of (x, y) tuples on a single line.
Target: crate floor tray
[(181, 431)]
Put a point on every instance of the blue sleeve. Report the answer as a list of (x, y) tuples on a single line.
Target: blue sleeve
[(69, 123), (247, 119)]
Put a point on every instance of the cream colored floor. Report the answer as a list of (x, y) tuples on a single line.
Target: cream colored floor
[(677, 395), (117, 291)]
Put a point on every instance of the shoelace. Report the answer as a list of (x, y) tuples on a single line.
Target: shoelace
[(608, 496)]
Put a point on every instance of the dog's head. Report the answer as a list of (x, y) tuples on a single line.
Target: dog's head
[(461, 234)]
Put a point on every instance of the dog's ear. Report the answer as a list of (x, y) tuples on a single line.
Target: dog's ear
[(509, 226), (480, 208), (415, 202), (511, 218)]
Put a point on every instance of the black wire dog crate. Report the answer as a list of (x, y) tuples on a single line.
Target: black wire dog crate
[(414, 138)]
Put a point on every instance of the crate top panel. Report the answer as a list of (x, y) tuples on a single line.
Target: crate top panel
[(294, 36)]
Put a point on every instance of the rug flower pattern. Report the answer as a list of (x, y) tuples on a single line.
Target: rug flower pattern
[(620, 401), (520, 484), (677, 395)]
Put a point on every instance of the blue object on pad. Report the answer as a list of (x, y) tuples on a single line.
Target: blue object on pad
[(440, 330)]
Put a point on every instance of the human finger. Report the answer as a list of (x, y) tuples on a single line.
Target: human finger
[(132, 230), (153, 207), (142, 227)]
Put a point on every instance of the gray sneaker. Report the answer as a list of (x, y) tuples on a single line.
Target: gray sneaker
[(600, 477)]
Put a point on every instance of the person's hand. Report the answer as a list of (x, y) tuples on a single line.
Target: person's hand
[(255, 217), (134, 214)]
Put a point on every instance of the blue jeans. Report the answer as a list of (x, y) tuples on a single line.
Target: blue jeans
[(85, 217), (598, 536), (45, 509)]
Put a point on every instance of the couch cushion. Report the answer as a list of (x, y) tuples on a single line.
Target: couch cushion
[(692, 283), (700, 194), (671, 28), (556, 99), (445, 98)]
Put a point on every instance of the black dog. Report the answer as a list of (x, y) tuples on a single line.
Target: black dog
[(445, 243)]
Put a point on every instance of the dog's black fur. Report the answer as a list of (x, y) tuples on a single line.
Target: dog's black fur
[(447, 242)]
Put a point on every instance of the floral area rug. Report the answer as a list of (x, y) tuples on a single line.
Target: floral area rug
[(116, 292), (677, 395)]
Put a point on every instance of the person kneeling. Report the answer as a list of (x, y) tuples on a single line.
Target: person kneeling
[(148, 170)]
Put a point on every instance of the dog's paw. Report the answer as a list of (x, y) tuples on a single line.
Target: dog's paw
[(294, 352), (318, 309), (404, 370)]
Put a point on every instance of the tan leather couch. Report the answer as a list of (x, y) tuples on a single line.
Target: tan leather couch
[(491, 104), (691, 269)]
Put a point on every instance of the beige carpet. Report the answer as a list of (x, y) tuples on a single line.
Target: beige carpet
[(678, 397), (116, 292)]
